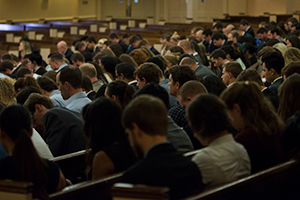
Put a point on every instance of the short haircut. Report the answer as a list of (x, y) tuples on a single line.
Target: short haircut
[(273, 60), (150, 71), (218, 53), (77, 56), (249, 75), (217, 36), (24, 94), (218, 25), (272, 42), (207, 32), (91, 39), (36, 98), (274, 29), (57, 57), (86, 83), (109, 63), (51, 75), (191, 88), (7, 57), (117, 49), (234, 68), (265, 50), (88, 69), (113, 36), (182, 74), (72, 75), (36, 57), (153, 119), (186, 44), (188, 61), (155, 90), (262, 30), (47, 83), (229, 50), (244, 22), (133, 39), (15, 58), (78, 45), (126, 69), (292, 68), (23, 71), (176, 49), (293, 20), (6, 64), (235, 34), (205, 112), (143, 43), (158, 62)]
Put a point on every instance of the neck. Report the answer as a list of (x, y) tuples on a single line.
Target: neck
[(150, 141), (75, 91), (94, 79), (211, 139)]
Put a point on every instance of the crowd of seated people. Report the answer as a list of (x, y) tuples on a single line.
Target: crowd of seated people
[(228, 91)]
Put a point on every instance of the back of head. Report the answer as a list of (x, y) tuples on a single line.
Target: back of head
[(91, 39), (234, 68), (148, 113), (292, 54), (77, 56), (86, 84), (213, 84), (289, 97), (228, 49), (6, 91), (126, 69), (57, 57), (88, 70), (72, 75), (217, 36), (158, 62), (172, 58), (250, 75), (265, 50), (109, 63), (128, 59), (281, 48), (191, 89), (182, 74), (139, 56), (150, 72), (51, 75), (176, 49), (155, 90), (274, 61), (47, 84), (256, 112), (7, 57), (213, 111), (103, 123), (188, 61), (6, 64), (218, 53), (292, 68), (35, 57), (133, 39), (36, 98), (24, 94), (116, 48)]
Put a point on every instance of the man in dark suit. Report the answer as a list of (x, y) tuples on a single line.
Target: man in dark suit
[(91, 44), (244, 25), (208, 43), (145, 120), (262, 34), (63, 49), (272, 66), (114, 38)]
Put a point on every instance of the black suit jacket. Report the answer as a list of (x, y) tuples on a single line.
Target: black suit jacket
[(68, 55), (14, 74), (275, 85), (123, 45), (272, 96), (250, 31), (164, 166)]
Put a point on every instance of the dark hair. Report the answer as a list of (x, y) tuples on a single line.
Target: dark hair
[(121, 90), (218, 53), (126, 69), (100, 74), (16, 121), (7, 57), (35, 57), (212, 110), (228, 49), (155, 90), (47, 84), (274, 29), (77, 56), (78, 45), (72, 75), (24, 94), (213, 84), (273, 60), (250, 75), (133, 39), (293, 67), (116, 48), (184, 56), (207, 32), (101, 91), (25, 82), (86, 83), (217, 36), (109, 63), (262, 30), (6, 64), (234, 68), (113, 36), (158, 62), (150, 71), (56, 57), (251, 48), (176, 49), (293, 39), (182, 74), (272, 42), (218, 25), (91, 39), (244, 22)]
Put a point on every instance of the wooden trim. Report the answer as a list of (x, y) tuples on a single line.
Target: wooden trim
[(16, 186)]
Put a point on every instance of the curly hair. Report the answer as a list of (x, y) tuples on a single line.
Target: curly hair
[(7, 91), (139, 56)]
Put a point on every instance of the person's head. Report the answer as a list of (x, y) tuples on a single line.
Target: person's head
[(186, 46), (138, 56), (178, 76), (62, 47), (80, 46), (176, 49), (7, 91), (77, 59), (24, 94), (46, 84), (91, 42), (6, 67), (158, 61), (108, 64), (207, 33), (217, 26), (35, 58), (189, 62), (249, 108), (244, 24), (249, 75), (128, 59), (292, 68), (69, 80), (120, 92), (156, 90), (144, 43), (86, 84), (218, 57), (273, 32), (217, 39), (264, 51), (203, 113), (6, 56), (21, 83), (289, 97), (116, 48), (229, 50), (291, 55), (24, 47), (272, 66), (55, 60), (293, 41), (291, 21), (145, 117), (89, 70), (233, 36), (262, 33), (147, 73), (231, 70), (134, 41), (113, 37), (189, 91), (38, 105), (124, 72), (213, 84), (24, 72), (103, 123)]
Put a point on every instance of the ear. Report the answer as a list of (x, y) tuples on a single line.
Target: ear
[(144, 81), (30, 132), (67, 85), (177, 85), (136, 131), (228, 56), (237, 109), (189, 99), (114, 97), (123, 77), (38, 107), (230, 75), (272, 71)]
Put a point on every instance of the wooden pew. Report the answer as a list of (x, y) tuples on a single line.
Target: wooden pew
[(89, 190), (15, 190), (73, 165)]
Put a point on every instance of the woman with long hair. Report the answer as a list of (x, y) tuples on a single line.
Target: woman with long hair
[(258, 126), (23, 162), (110, 149)]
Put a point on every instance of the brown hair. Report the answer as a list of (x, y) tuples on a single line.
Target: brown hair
[(139, 56), (255, 110), (234, 68), (150, 71), (292, 54), (293, 67), (191, 88)]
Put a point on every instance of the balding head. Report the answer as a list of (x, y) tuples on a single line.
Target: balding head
[(186, 46), (88, 70), (62, 47), (198, 36), (189, 62), (189, 91)]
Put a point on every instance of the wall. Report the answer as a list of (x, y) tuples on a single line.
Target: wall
[(258, 7)]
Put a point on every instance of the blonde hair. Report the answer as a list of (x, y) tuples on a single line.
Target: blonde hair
[(7, 91), (26, 48)]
